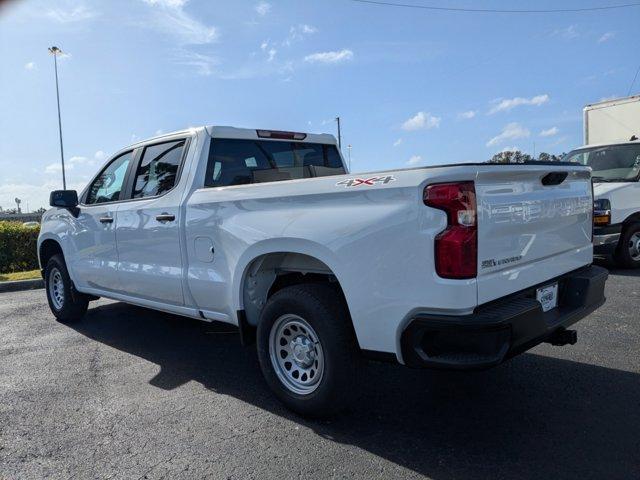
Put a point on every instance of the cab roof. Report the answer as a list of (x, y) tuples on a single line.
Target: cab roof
[(216, 131), (608, 144), (264, 134)]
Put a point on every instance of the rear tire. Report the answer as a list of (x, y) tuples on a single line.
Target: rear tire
[(307, 349), (627, 253), (66, 303)]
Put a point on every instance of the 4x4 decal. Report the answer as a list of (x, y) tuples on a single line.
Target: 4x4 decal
[(356, 182)]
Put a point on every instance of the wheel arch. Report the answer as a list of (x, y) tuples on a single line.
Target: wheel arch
[(273, 265), (47, 248), (633, 218)]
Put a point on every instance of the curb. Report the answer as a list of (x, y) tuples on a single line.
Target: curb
[(21, 285)]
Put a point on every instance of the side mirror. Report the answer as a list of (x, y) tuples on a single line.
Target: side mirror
[(65, 199)]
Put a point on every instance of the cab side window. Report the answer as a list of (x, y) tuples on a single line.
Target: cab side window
[(108, 185), (158, 169)]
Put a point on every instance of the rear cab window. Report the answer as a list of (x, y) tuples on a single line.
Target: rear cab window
[(241, 162)]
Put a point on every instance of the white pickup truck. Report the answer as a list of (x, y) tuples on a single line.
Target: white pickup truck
[(459, 267)]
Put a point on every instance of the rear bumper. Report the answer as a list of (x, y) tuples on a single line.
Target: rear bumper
[(503, 328), (605, 239)]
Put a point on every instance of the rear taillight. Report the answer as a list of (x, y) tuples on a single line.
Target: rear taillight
[(456, 248)]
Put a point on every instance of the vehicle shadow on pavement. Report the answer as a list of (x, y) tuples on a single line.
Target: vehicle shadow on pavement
[(533, 417), (609, 264)]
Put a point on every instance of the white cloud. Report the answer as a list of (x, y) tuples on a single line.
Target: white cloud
[(269, 50), (467, 115), (569, 32), (263, 8), (77, 160), (30, 66), (170, 18), (76, 14), (36, 195), (421, 121), (307, 29), (504, 105), (397, 142), (298, 32), (56, 167), (606, 37), (549, 132), (167, 3), (510, 132), (414, 160), (609, 97), (330, 57), (53, 168), (64, 55), (202, 64)]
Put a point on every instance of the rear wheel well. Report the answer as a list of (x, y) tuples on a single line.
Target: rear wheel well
[(272, 272), (48, 249), (298, 278)]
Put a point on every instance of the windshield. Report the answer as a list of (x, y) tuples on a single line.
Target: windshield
[(613, 163)]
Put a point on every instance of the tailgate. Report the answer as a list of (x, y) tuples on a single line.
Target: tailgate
[(533, 225)]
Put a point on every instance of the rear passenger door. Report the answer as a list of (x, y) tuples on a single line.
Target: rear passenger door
[(148, 225)]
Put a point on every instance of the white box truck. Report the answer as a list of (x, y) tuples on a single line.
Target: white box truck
[(612, 120), (612, 150)]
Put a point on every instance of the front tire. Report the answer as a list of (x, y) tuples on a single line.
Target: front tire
[(66, 304), (628, 252), (307, 349)]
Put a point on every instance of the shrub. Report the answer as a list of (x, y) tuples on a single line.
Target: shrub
[(18, 247)]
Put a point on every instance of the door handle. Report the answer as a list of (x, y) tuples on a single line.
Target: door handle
[(165, 217), (106, 219)]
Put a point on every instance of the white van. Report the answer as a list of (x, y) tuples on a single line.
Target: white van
[(616, 192)]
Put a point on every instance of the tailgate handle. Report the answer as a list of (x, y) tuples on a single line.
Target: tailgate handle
[(554, 178)]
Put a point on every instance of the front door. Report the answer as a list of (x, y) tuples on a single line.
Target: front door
[(94, 234), (148, 227)]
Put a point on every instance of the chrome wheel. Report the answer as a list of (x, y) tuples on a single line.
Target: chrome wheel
[(56, 288), (296, 354), (634, 246)]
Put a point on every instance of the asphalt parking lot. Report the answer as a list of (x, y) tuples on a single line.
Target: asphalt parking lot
[(131, 393)]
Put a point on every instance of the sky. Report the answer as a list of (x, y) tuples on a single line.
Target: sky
[(411, 86)]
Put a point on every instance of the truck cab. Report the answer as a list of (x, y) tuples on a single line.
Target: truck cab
[(616, 191)]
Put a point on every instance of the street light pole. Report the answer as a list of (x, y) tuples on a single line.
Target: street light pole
[(55, 51), (349, 150)]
